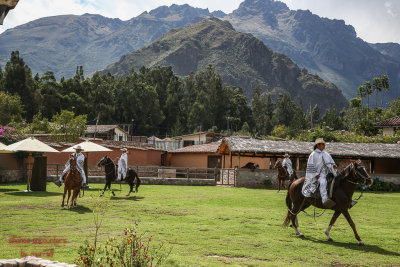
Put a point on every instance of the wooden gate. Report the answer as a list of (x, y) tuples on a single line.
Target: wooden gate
[(227, 177)]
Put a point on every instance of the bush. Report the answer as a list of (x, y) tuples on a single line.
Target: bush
[(379, 185), (132, 249)]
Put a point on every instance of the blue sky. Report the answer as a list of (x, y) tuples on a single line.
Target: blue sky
[(374, 20)]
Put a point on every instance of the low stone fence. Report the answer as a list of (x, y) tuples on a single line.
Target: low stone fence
[(34, 262), (152, 181), (390, 178), (260, 178)]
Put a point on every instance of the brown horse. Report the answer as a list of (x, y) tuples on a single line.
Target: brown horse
[(72, 182), (283, 175), (345, 184)]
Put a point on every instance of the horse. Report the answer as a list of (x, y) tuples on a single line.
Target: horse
[(111, 175), (345, 184), (72, 182), (283, 175)]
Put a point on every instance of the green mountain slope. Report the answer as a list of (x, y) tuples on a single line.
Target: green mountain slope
[(241, 59)]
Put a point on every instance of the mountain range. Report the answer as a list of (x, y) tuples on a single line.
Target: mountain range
[(329, 48), (240, 59)]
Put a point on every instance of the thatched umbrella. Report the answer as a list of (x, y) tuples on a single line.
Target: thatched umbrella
[(29, 145)]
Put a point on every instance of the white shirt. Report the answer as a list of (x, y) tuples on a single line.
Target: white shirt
[(122, 166), (319, 163), (288, 164)]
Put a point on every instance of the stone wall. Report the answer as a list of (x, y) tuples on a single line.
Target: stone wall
[(390, 178), (259, 178), (153, 181), (34, 262)]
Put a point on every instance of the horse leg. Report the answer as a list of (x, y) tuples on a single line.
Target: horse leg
[(130, 187), (105, 187), (109, 187), (333, 220), (65, 191), (69, 195), (74, 197), (353, 226), (279, 184)]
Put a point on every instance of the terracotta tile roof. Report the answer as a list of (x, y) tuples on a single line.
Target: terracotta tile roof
[(265, 147), (204, 148), (391, 122)]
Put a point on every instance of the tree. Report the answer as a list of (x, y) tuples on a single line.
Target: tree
[(368, 90), (18, 80), (361, 92), (39, 124), (10, 108), (377, 86), (332, 119), (67, 127), (385, 86)]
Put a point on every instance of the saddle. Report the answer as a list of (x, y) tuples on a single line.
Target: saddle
[(330, 183)]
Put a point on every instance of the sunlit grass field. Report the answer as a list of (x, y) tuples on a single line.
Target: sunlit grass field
[(204, 226)]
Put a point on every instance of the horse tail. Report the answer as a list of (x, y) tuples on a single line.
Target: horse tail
[(289, 206)]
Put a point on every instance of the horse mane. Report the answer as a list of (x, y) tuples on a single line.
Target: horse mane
[(341, 177)]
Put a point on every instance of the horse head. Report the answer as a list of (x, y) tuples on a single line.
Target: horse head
[(278, 164), (72, 162), (103, 161), (357, 173)]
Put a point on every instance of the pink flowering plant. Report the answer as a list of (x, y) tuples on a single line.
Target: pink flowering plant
[(9, 134)]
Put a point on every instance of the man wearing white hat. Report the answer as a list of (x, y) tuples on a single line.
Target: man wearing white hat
[(287, 164), (319, 164), (122, 165), (80, 159)]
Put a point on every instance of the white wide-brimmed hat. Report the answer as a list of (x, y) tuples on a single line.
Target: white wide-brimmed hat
[(124, 149), (318, 141), (78, 147), (286, 155)]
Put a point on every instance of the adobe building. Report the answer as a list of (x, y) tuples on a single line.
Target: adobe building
[(381, 160), (389, 126)]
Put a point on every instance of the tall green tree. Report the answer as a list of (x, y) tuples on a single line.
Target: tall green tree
[(10, 108), (377, 86), (385, 86), (18, 80)]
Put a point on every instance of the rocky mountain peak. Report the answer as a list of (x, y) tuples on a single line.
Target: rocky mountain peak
[(253, 7)]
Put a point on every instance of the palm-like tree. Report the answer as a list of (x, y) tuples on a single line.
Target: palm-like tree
[(377, 86), (368, 90), (361, 93), (385, 86)]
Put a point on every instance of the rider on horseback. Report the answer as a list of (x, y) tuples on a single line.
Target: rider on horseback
[(80, 159), (287, 164), (122, 165), (319, 164)]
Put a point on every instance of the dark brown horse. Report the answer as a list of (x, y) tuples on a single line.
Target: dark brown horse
[(72, 182), (111, 175), (283, 175), (345, 184)]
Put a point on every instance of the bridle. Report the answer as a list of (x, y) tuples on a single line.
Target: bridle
[(101, 164), (358, 175)]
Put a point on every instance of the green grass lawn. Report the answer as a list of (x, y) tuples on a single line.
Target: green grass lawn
[(206, 226)]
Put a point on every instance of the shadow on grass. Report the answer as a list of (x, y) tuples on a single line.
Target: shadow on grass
[(132, 198), (79, 209), (355, 246), (34, 194), (8, 190)]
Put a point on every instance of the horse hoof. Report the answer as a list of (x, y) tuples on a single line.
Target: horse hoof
[(330, 239), (101, 194), (361, 243), (300, 235), (127, 195)]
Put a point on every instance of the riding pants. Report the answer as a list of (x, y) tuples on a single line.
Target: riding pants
[(322, 187)]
